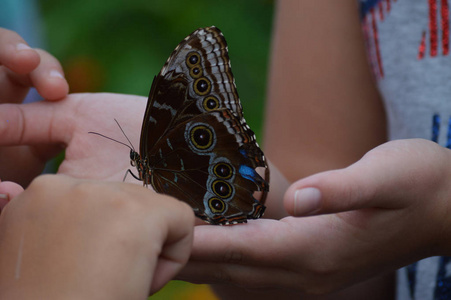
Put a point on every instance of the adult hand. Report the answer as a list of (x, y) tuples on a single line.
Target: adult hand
[(64, 237), (22, 67), (46, 128), (394, 205)]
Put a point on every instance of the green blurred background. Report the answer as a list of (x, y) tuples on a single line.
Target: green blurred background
[(118, 46)]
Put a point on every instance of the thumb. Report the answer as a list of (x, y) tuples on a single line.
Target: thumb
[(362, 185), (392, 176)]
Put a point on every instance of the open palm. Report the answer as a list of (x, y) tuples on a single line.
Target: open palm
[(49, 127)]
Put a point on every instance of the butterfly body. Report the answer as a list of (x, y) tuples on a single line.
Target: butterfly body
[(195, 144)]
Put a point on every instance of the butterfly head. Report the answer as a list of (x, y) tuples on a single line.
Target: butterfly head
[(134, 158), (141, 166)]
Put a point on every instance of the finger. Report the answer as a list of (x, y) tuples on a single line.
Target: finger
[(8, 190), (17, 59), (57, 122), (251, 256), (231, 254), (236, 244), (246, 276), (336, 191), (15, 54), (327, 192), (386, 177), (48, 78), (21, 164), (274, 202), (16, 124), (177, 247), (33, 133)]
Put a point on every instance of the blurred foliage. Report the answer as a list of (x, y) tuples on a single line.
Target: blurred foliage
[(119, 46)]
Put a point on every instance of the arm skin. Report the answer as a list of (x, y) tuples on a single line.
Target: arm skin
[(323, 110), (65, 238)]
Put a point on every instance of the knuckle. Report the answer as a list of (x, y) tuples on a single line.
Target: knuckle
[(42, 182), (322, 279), (85, 191), (324, 269), (222, 276), (244, 280), (233, 257), (187, 210), (45, 188), (41, 52), (47, 57), (186, 215), (9, 35), (181, 210)]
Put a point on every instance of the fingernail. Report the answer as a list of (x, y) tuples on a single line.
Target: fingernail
[(55, 73), (22, 46), (4, 196), (306, 201)]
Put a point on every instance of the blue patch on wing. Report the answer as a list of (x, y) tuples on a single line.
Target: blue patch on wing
[(244, 153), (248, 173)]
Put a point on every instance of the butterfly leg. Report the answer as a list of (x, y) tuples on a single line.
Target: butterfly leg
[(131, 173)]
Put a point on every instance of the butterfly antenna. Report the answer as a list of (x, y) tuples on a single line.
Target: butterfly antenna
[(107, 137), (133, 148)]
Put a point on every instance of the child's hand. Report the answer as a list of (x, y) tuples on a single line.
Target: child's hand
[(387, 210), (67, 238), (22, 67)]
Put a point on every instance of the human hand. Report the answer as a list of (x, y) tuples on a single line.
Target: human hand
[(22, 67), (394, 205), (8, 190), (46, 128), (79, 239)]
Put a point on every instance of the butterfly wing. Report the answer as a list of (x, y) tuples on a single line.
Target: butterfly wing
[(196, 86), (209, 161), (196, 78)]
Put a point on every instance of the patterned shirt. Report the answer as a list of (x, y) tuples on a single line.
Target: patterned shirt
[(408, 48)]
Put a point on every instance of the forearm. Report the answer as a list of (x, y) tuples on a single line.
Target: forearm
[(323, 109)]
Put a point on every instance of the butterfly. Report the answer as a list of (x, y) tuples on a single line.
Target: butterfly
[(195, 144)]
